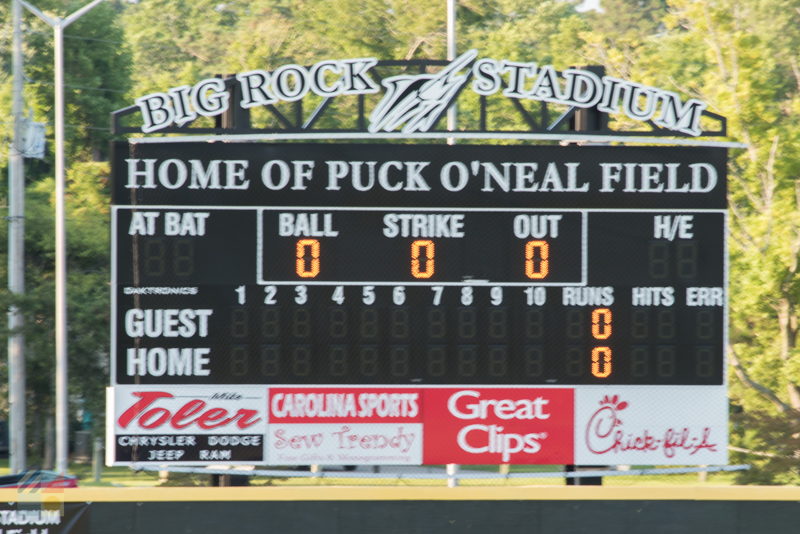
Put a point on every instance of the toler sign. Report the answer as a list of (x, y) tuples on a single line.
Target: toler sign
[(187, 425)]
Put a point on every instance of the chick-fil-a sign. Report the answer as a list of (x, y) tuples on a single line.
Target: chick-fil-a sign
[(652, 425), (491, 426)]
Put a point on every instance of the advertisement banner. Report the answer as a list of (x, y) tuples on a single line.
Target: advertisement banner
[(496, 426), (350, 426), (188, 425), (651, 425)]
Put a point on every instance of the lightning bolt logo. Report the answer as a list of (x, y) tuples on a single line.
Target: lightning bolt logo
[(417, 101)]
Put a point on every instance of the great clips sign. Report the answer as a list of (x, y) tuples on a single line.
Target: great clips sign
[(413, 103), (499, 426)]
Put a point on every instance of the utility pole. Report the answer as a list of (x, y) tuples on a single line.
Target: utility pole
[(16, 258), (62, 428)]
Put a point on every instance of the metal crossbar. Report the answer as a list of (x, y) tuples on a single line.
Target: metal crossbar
[(462, 475)]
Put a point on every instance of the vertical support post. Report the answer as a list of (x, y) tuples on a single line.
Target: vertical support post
[(702, 476), (62, 429), (452, 479), (587, 120), (16, 259), (62, 399), (452, 118), (452, 111), (97, 460)]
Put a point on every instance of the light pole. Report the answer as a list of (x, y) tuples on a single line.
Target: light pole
[(62, 428), (16, 262)]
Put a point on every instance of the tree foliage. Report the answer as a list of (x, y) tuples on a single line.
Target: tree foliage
[(96, 78), (752, 78)]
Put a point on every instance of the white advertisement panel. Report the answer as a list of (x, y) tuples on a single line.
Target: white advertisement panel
[(341, 425), (184, 425), (651, 425), (347, 444)]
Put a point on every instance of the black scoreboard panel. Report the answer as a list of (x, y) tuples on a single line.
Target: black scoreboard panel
[(605, 266)]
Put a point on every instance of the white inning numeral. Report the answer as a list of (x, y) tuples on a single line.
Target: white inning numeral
[(300, 294), (269, 295), (338, 295), (241, 296), (496, 294), (466, 296), (399, 295), (368, 295), (437, 294), (535, 296)]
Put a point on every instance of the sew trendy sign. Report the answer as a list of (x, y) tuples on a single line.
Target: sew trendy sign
[(413, 103)]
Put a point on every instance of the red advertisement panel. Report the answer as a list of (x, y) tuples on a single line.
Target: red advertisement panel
[(497, 426)]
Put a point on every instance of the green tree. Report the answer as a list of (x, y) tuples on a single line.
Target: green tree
[(177, 42), (96, 72), (548, 32), (88, 297), (620, 31), (96, 77), (740, 57)]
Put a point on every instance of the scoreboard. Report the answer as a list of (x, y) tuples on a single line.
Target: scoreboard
[(384, 275), (415, 266)]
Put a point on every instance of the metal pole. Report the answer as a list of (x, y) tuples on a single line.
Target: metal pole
[(97, 460), (62, 427), (452, 114), (452, 111), (16, 260)]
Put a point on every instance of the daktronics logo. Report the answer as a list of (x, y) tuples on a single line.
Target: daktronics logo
[(163, 411), (521, 425)]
